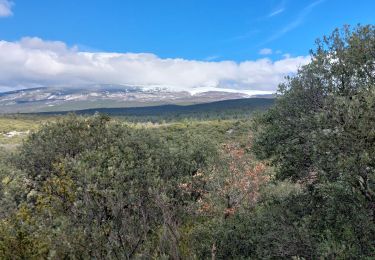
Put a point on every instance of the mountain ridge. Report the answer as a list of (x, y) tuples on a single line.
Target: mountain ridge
[(103, 96)]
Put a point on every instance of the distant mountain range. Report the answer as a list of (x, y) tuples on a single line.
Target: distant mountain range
[(104, 96)]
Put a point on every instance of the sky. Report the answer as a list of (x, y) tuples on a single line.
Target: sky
[(191, 45)]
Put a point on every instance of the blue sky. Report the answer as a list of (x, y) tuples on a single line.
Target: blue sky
[(191, 29), (203, 30)]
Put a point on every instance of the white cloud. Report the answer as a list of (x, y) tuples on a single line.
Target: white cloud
[(265, 51), (33, 62), (6, 8), (296, 22), (212, 58), (276, 12)]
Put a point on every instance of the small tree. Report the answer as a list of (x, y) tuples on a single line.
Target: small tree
[(321, 133)]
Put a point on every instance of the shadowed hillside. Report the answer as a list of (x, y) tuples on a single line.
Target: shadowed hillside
[(219, 109)]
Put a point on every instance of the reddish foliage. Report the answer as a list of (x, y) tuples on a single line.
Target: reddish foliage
[(235, 182)]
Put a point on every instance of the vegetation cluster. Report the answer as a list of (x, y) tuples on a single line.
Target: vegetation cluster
[(295, 182)]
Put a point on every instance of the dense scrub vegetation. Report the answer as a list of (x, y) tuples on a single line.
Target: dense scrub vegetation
[(295, 182), (320, 133)]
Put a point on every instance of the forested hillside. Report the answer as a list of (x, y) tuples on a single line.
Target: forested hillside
[(226, 109), (294, 182)]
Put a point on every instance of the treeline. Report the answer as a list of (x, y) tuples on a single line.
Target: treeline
[(299, 185), (224, 110)]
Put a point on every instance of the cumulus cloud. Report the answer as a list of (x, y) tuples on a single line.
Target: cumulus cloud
[(265, 51), (33, 62), (6, 8)]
